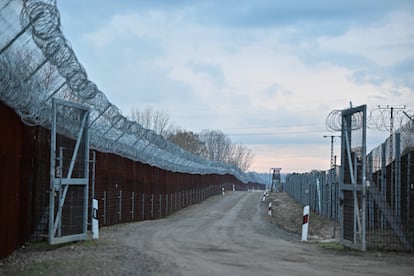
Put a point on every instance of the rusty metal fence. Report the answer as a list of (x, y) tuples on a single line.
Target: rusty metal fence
[(127, 206), (37, 65)]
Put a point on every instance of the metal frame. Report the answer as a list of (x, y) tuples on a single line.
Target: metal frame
[(60, 184), (274, 174), (355, 236)]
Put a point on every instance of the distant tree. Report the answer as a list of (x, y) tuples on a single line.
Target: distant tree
[(242, 157), (159, 121), (218, 145), (220, 148), (213, 145), (188, 140)]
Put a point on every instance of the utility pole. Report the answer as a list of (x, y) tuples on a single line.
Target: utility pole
[(391, 108), (332, 148), (392, 181)]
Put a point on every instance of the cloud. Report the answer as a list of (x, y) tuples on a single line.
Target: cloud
[(265, 72), (213, 71)]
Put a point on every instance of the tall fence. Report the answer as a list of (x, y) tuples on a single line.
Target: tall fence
[(127, 190), (126, 206), (390, 193), (137, 173), (38, 64), (318, 189)]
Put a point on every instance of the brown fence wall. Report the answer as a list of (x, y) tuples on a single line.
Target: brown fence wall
[(16, 178), (129, 190)]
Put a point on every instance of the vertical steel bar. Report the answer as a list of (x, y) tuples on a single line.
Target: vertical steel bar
[(133, 206), (86, 172), (364, 176), (160, 200), (93, 162), (60, 204), (120, 206), (370, 199), (143, 207), (397, 178), (104, 208), (166, 205), (383, 181), (152, 206), (52, 172)]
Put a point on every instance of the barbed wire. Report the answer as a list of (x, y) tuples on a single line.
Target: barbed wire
[(333, 121), (378, 119), (37, 31)]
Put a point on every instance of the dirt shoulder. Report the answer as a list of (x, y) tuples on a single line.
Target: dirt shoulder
[(287, 214), (224, 235)]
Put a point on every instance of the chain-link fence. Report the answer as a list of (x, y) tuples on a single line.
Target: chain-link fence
[(389, 209)]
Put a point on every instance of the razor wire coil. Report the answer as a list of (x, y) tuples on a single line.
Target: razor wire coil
[(35, 28)]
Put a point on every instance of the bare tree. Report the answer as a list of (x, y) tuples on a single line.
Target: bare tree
[(159, 121), (243, 157), (220, 148), (218, 145), (213, 145), (188, 140)]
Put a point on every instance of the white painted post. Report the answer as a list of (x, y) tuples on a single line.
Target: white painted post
[(270, 209), (95, 222), (305, 225), (234, 188), (222, 190)]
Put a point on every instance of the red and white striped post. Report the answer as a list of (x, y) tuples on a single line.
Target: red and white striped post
[(95, 222), (305, 225), (270, 209)]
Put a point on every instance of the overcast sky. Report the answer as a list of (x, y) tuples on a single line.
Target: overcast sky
[(266, 73)]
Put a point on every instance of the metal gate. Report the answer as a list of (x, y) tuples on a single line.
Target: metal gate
[(69, 172), (352, 195)]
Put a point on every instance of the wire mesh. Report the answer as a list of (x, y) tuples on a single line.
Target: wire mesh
[(37, 63), (390, 190)]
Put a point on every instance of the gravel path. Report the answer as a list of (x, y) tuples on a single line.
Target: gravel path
[(224, 235)]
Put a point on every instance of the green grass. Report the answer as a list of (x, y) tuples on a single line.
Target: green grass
[(40, 268), (45, 246), (332, 246)]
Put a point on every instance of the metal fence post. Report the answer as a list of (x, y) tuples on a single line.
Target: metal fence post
[(104, 208), (397, 177), (120, 205), (166, 204), (160, 206), (152, 206), (143, 207), (133, 206), (383, 180)]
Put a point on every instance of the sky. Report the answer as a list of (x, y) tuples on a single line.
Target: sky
[(266, 73)]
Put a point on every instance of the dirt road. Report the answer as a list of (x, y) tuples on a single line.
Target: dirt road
[(225, 235)]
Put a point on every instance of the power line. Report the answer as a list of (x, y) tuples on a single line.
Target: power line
[(276, 133), (273, 126)]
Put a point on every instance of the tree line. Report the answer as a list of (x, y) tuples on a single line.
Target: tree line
[(213, 145)]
